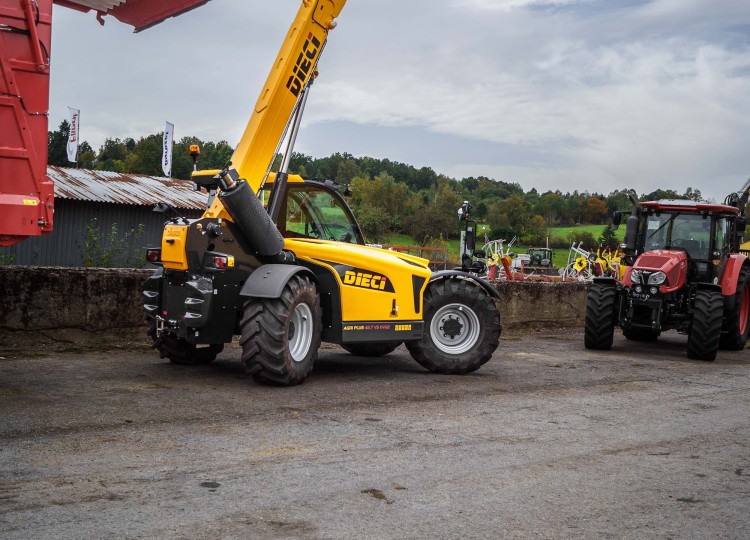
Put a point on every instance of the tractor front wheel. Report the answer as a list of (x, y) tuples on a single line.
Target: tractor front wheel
[(462, 328), (705, 329), (600, 317), (280, 337), (737, 313), (179, 351)]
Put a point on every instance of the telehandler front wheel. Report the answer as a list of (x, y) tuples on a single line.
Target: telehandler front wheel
[(462, 328), (280, 337), (371, 350), (179, 351)]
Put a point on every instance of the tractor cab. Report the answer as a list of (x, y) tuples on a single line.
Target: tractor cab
[(702, 231)]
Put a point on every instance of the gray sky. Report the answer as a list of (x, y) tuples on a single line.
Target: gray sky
[(588, 95)]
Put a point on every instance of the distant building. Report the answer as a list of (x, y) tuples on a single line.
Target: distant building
[(102, 199)]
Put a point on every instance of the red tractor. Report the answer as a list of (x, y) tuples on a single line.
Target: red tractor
[(684, 272)]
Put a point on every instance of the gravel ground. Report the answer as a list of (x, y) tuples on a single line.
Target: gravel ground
[(547, 440)]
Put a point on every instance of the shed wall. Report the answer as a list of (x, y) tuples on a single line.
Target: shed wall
[(64, 246)]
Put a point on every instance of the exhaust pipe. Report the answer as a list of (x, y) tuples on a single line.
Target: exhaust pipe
[(249, 215)]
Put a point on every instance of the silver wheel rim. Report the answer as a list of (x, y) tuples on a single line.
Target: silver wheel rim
[(300, 332), (462, 332)]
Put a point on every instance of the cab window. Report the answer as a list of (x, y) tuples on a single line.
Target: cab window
[(313, 212)]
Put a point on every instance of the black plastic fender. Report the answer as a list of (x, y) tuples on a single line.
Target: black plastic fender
[(451, 274), (268, 281)]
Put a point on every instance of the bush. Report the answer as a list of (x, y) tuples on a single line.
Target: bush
[(582, 236)]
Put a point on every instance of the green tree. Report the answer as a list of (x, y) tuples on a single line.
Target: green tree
[(509, 217), (57, 144), (381, 205), (608, 238), (438, 216), (57, 149)]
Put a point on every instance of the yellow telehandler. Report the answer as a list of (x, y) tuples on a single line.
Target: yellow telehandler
[(281, 262)]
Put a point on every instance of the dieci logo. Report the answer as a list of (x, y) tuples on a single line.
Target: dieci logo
[(365, 280), (304, 63)]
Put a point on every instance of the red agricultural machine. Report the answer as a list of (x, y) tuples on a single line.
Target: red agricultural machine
[(683, 272), (26, 192)]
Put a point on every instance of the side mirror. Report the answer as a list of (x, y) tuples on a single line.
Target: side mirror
[(616, 219), (480, 254), (162, 208), (741, 225)]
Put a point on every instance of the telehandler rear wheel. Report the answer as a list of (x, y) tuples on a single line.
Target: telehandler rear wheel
[(371, 350), (738, 317), (599, 329), (179, 351), (280, 337), (705, 329), (462, 328)]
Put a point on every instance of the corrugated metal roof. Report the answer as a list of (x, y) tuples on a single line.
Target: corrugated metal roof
[(113, 187)]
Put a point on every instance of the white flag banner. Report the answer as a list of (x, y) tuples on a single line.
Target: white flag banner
[(75, 121), (166, 157)]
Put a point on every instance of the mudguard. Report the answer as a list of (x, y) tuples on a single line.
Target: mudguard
[(449, 274), (731, 273), (268, 281)]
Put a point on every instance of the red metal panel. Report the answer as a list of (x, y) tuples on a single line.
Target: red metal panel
[(144, 13), (26, 192)]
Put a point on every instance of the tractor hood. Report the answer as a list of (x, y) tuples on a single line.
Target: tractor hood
[(673, 263)]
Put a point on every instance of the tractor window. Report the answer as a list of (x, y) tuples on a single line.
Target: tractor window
[(312, 212), (688, 231), (722, 241)]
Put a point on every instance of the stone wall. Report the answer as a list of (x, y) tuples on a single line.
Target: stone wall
[(39, 299), (93, 299)]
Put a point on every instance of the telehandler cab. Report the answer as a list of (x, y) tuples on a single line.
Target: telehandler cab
[(684, 272), (281, 262)]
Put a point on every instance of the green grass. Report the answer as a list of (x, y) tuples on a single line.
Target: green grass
[(595, 230)]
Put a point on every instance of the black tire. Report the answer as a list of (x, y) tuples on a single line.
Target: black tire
[(371, 350), (737, 315), (179, 351), (473, 333), (641, 334), (280, 337), (600, 317), (705, 329)]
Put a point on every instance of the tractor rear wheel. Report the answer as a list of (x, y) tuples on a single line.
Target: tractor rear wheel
[(600, 317), (280, 337), (462, 328), (737, 314), (371, 350), (179, 351), (705, 329), (640, 334)]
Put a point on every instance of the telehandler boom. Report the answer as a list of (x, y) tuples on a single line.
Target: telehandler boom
[(281, 262)]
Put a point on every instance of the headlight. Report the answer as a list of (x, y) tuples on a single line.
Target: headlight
[(657, 278), (635, 276), (654, 290)]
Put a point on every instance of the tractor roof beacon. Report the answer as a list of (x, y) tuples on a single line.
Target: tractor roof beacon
[(281, 261), (683, 272)]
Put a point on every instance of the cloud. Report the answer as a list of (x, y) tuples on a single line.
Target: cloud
[(592, 95)]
